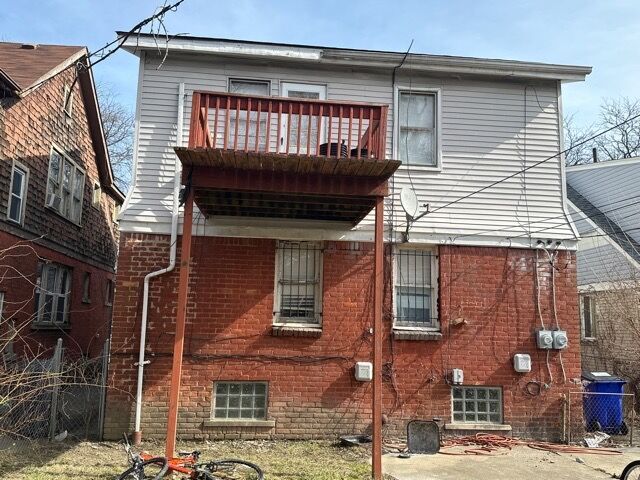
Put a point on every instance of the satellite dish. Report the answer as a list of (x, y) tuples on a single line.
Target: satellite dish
[(409, 201)]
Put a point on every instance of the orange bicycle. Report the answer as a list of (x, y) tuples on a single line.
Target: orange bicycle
[(145, 466)]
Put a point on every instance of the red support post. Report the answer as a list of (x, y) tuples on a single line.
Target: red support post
[(376, 451), (178, 341)]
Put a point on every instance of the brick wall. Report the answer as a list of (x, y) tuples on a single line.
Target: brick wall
[(28, 129), (88, 322), (312, 390)]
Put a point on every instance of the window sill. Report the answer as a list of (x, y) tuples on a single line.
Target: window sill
[(72, 222), (589, 340), (293, 331), (215, 422), (478, 426), (417, 334), (50, 326)]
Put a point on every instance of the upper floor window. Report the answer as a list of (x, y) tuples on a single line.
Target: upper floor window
[(588, 316), (415, 283), (65, 186), (18, 193), (67, 101), (417, 128), (248, 87), (52, 295), (298, 283), (96, 194)]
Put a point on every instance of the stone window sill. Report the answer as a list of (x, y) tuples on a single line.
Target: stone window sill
[(218, 422), (49, 326), (290, 331), (478, 426), (416, 335)]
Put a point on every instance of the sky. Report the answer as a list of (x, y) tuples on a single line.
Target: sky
[(602, 34)]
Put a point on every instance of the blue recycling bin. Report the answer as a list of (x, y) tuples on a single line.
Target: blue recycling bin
[(603, 409)]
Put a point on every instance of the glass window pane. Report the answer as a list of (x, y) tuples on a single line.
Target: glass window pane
[(457, 393), (67, 174), (233, 413), (221, 401), (234, 402), (47, 309), (247, 402), (494, 418), (469, 417), (259, 414), (482, 417), (494, 407), (259, 402), (260, 388), (220, 413), (234, 388), (222, 388), (494, 394), (247, 388), (15, 208), (17, 182), (416, 148), (459, 417), (469, 393), (54, 168), (60, 309), (78, 184), (249, 87), (481, 393), (417, 110), (417, 128), (481, 406)]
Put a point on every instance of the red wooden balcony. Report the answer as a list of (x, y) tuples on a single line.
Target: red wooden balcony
[(252, 156)]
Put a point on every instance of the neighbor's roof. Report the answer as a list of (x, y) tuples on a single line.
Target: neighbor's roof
[(23, 65), (349, 57)]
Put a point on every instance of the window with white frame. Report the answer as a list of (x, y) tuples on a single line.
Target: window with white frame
[(52, 295), (240, 400), (417, 128), (96, 195), (476, 404), (415, 280), (248, 87), (17, 194), (298, 283), (588, 316), (65, 186), (67, 101)]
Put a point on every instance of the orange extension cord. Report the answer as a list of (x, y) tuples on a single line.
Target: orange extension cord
[(488, 444)]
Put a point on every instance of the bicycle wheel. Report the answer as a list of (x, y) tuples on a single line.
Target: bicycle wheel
[(152, 469), (631, 471), (229, 469)]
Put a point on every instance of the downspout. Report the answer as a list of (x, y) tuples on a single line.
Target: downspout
[(175, 214)]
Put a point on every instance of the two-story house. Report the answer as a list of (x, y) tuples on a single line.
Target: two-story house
[(58, 239), (264, 173), (604, 203)]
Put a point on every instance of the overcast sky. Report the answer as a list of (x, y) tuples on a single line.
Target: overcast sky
[(602, 34)]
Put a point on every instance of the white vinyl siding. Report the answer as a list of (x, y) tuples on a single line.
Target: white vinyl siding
[(17, 194), (482, 130)]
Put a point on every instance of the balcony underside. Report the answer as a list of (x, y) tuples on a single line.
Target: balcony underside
[(267, 185)]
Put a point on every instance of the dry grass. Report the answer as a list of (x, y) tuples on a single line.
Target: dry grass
[(280, 460)]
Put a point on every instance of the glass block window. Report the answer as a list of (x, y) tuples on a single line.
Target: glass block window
[(298, 283), (476, 404), (240, 400), (414, 289)]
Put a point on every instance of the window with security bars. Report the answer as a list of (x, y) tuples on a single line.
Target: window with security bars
[(414, 288), (476, 404), (299, 286), (241, 400)]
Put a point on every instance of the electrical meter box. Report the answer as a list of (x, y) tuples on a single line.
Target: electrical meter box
[(560, 339), (364, 371), (522, 362), (545, 339), (457, 376)]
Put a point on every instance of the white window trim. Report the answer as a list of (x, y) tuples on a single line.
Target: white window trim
[(438, 126), (212, 415), (42, 296), (110, 293), (434, 285), (318, 294), (65, 157), (23, 208), (322, 90), (593, 310), (265, 81)]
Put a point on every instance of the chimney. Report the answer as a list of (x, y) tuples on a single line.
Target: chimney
[(594, 153), (29, 46)]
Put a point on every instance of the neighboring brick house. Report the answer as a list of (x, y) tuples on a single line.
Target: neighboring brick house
[(604, 203), (290, 149), (58, 202)]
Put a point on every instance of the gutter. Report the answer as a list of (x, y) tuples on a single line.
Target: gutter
[(175, 214)]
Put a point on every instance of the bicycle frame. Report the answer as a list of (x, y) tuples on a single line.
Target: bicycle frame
[(183, 465)]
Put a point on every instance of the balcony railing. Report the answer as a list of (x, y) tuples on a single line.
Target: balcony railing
[(290, 126)]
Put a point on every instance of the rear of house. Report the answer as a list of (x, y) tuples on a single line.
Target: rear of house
[(285, 151)]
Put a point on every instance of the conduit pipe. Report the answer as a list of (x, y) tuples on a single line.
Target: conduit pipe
[(175, 215)]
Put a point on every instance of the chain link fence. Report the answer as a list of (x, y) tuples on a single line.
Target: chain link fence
[(53, 397), (594, 419)]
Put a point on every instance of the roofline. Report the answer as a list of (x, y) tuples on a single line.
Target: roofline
[(365, 58), (13, 85), (606, 163), (82, 52)]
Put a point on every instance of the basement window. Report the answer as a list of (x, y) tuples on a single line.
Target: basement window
[(476, 404), (588, 316), (240, 400), (415, 295), (298, 298)]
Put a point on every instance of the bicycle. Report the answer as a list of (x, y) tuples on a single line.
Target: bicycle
[(145, 466), (631, 471)]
